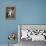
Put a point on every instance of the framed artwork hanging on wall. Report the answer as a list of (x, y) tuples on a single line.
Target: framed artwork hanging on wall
[(10, 12)]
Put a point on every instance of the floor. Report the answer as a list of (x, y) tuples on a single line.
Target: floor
[(7, 45), (30, 43)]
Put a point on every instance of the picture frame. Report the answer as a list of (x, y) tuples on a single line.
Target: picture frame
[(10, 12), (35, 29)]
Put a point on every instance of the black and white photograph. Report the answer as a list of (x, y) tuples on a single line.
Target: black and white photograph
[(10, 12), (31, 34)]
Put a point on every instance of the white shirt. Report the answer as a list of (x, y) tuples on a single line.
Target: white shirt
[(10, 12)]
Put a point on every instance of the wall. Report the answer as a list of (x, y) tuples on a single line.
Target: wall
[(6, 26), (27, 12), (31, 11)]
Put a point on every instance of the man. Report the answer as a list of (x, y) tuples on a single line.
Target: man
[(10, 12)]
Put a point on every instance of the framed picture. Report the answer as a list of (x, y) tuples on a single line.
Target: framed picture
[(32, 32), (10, 12)]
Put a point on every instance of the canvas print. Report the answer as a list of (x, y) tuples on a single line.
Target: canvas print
[(33, 32), (10, 12), (29, 34)]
